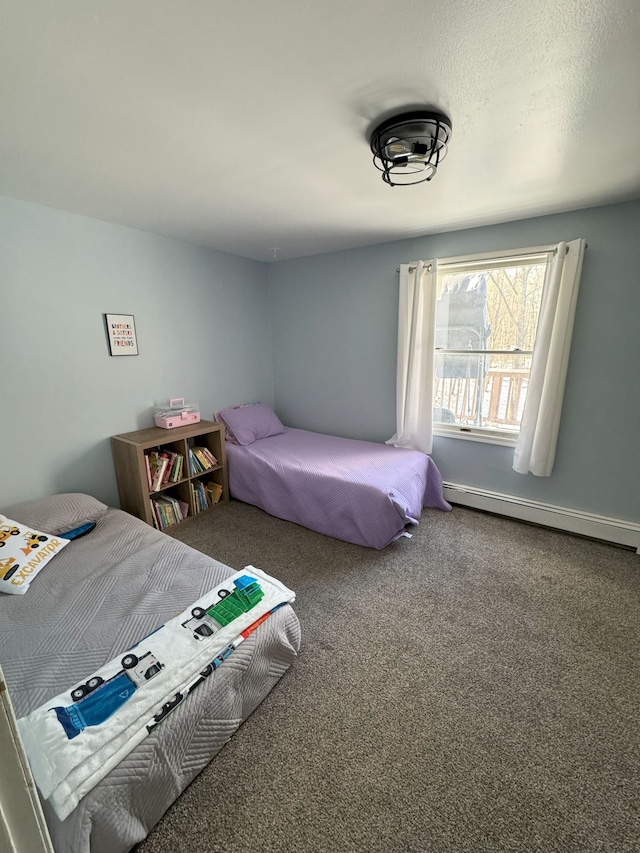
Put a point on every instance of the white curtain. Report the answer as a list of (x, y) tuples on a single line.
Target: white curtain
[(536, 446), (416, 339)]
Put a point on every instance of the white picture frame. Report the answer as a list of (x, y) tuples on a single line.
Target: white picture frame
[(121, 334)]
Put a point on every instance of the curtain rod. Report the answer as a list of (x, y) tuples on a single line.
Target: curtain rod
[(516, 254)]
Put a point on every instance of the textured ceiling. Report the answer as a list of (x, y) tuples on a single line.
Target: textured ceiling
[(243, 125)]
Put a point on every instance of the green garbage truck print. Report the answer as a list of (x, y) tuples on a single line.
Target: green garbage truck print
[(96, 699), (233, 603)]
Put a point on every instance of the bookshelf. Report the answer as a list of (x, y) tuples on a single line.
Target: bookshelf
[(187, 487)]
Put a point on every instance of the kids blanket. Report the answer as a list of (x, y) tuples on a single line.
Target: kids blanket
[(76, 738)]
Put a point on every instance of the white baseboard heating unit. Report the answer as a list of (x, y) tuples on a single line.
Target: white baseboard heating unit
[(616, 531)]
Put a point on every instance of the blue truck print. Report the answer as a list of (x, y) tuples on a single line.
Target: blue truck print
[(96, 700)]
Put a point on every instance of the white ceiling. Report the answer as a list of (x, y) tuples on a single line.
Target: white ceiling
[(243, 124)]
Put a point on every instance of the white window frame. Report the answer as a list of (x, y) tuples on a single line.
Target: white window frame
[(482, 260)]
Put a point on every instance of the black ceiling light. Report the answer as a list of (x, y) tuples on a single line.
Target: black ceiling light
[(408, 148)]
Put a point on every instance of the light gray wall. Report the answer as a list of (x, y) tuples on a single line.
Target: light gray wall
[(334, 330), (203, 332)]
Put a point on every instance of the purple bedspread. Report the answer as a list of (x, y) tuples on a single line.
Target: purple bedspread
[(359, 491)]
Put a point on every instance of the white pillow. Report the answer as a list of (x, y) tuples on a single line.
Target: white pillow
[(24, 552)]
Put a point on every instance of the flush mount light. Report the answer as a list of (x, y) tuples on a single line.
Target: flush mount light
[(409, 147)]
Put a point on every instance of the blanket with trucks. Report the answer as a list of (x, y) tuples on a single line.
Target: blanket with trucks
[(77, 737)]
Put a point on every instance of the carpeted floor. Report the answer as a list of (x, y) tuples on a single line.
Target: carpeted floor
[(475, 688)]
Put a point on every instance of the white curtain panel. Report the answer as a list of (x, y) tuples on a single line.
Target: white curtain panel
[(536, 446), (416, 340)]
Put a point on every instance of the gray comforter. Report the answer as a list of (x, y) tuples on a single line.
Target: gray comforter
[(96, 598)]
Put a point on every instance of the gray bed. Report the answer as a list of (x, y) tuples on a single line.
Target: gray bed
[(98, 596)]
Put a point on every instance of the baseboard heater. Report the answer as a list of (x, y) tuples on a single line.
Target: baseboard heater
[(614, 530)]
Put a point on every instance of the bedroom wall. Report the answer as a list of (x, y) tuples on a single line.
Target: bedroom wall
[(334, 330), (202, 335)]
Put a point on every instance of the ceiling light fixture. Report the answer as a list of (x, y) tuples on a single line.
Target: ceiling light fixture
[(408, 148)]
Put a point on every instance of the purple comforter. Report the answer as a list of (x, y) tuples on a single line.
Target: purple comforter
[(359, 491)]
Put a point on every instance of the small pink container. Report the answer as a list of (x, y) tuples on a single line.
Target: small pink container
[(176, 414)]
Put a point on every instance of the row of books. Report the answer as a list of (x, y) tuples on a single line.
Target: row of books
[(201, 459), (167, 511), (163, 467), (205, 495)]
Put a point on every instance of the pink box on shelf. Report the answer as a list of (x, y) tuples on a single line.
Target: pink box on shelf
[(176, 414)]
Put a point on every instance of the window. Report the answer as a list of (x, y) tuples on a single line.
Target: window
[(487, 310), (483, 349)]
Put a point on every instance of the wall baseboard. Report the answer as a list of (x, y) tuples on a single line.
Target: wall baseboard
[(613, 530)]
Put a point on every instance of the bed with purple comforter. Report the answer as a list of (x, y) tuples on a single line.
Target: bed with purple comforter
[(359, 491)]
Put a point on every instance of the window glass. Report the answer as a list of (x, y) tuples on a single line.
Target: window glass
[(486, 320)]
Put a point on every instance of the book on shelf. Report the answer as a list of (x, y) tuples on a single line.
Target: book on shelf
[(214, 491), (163, 467), (154, 515), (158, 479), (168, 471), (206, 456), (153, 460), (176, 468), (166, 511), (203, 496), (201, 459), (199, 497)]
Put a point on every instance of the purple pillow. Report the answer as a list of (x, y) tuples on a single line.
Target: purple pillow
[(250, 422)]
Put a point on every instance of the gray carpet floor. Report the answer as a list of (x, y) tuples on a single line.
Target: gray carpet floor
[(474, 688)]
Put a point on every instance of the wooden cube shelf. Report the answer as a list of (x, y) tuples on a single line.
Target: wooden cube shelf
[(129, 450)]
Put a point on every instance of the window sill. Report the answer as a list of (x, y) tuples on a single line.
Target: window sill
[(482, 437)]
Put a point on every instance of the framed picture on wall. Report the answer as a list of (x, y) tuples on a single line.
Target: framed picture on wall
[(121, 332)]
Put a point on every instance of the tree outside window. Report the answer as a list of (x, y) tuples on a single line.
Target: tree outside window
[(486, 320)]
